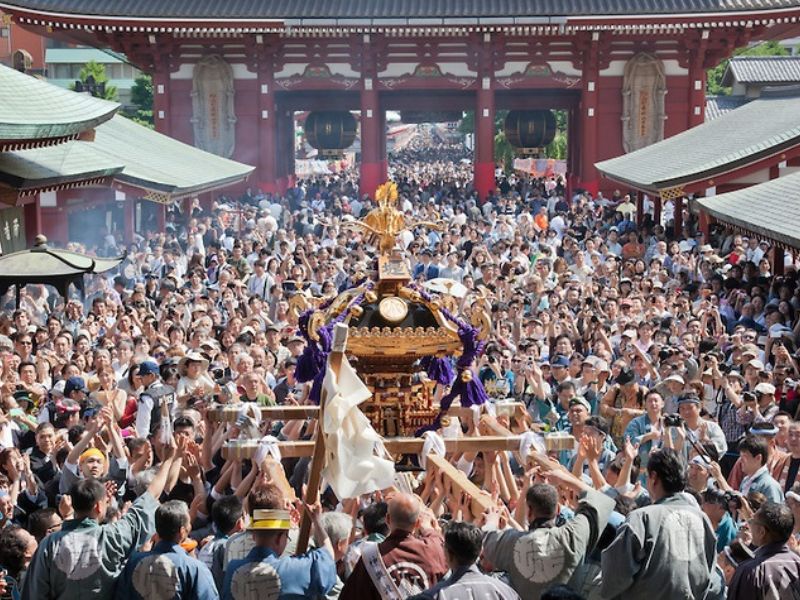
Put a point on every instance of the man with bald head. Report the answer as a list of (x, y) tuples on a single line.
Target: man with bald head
[(407, 562)]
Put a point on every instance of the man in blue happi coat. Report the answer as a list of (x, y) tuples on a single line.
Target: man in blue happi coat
[(264, 572), (167, 572)]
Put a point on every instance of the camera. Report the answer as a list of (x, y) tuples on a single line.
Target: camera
[(665, 354), (673, 420), (733, 498), (749, 397), (218, 374)]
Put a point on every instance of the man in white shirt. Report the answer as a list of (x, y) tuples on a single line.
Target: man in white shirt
[(259, 282)]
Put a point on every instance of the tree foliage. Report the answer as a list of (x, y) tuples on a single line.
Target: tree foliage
[(715, 87), (98, 72), (142, 99)]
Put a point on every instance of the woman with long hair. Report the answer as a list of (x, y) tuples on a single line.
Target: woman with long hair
[(123, 405)]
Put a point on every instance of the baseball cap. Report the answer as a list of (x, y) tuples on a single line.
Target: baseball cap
[(148, 367), (75, 384), (756, 364), (688, 399), (559, 361), (580, 400), (765, 428)]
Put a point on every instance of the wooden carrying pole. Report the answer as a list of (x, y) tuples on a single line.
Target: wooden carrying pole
[(288, 413), (395, 446), (480, 502), (318, 458)]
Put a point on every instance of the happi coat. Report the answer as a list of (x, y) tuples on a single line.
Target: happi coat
[(415, 561), (84, 559), (536, 560), (167, 572), (665, 551), (468, 582), (263, 575)]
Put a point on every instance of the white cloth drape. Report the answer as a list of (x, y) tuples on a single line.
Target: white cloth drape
[(352, 467)]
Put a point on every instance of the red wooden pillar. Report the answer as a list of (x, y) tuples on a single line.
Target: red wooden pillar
[(33, 219), (590, 80), (484, 165), (678, 222), (778, 260), (484, 143), (284, 147), (573, 149), (129, 226), (371, 168), (161, 115), (268, 131), (705, 225), (639, 208), (161, 95), (657, 210), (371, 163), (697, 83), (161, 217), (382, 146)]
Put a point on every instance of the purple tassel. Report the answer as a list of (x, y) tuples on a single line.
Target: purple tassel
[(309, 364), (325, 346), (315, 395), (312, 360), (439, 370)]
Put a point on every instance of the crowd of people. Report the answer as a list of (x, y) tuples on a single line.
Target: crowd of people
[(668, 364)]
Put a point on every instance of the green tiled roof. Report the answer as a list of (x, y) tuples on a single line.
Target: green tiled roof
[(756, 130), (64, 163), (31, 109), (160, 163), (770, 209), (130, 153), (281, 9)]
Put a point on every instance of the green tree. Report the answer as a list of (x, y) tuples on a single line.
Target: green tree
[(558, 147), (142, 99), (715, 87), (98, 72)]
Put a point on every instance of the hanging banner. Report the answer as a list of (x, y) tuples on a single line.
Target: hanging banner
[(12, 230)]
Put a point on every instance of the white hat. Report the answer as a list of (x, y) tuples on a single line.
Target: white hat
[(685, 246), (756, 364), (764, 388), (778, 330), (676, 378), (706, 248), (193, 357)]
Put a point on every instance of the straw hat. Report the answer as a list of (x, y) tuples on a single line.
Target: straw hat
[(192, 357), (270, 520)]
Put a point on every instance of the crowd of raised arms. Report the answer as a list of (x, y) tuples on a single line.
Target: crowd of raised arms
[(670, 360)]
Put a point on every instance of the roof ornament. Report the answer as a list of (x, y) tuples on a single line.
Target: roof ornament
[(39, 243), (385, 222)]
